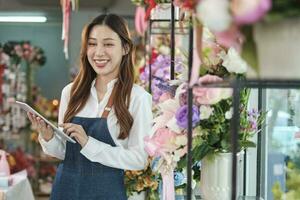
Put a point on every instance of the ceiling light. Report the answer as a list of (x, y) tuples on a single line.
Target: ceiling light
[(23, 19)]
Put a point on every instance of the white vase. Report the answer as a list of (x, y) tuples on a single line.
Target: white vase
[(216, 176), (136, 196)]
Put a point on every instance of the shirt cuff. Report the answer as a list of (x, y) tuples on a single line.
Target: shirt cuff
[(93, 147), (48, 144)]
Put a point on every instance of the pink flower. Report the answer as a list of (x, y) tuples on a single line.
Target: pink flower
[(231, 38), (161, 141), (26, 46), (208, 96), (212, 50), (165, 96), (249, 12)]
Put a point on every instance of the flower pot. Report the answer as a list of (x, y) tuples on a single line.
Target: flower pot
[(216, 176)]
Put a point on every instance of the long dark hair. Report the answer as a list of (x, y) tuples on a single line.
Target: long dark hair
[(81, 86)]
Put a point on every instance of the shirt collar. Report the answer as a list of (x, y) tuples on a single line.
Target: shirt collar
[(109, 86)]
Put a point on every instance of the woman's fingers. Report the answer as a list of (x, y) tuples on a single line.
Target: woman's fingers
[(43, 125), (75, 135), (32, 120), (70, 130)]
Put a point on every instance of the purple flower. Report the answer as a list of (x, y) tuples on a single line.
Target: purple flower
[(156, 93), (252, 118), (182, 116)]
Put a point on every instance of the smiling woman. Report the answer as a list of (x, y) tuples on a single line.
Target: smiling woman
[(105, 51), (105, 112)]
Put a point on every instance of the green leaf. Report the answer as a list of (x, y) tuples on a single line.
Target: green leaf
[(247, 144), (182, 162), (201, 151), (213, 138), (225, 145)]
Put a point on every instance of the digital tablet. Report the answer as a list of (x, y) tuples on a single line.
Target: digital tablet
[(57, 131)]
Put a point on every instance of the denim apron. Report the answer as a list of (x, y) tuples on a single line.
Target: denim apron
[(78, 178)]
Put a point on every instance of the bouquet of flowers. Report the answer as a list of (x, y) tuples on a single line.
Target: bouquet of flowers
[(211, 115), (160, 67)]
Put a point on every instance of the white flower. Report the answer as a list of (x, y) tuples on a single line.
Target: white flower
[(165, 50), (181, 140), (228, 114), (226, 93), (205, 112), (214, 14), (233, 62), (172, 125), (176, 156)]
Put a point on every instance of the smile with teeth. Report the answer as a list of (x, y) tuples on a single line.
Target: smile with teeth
[(101, 63)]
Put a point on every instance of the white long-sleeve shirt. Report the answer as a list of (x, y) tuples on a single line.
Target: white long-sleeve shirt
[(128, 154)]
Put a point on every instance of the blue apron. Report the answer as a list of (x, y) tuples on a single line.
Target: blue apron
[(78, 178)]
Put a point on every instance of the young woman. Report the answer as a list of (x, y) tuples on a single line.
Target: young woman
[(105, 112)]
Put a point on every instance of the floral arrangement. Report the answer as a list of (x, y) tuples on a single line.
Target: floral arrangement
[(160, 67), (146, 180), (161, 71), (142, 180), (226, 18), (32, 56), (212, 112), (23, 50)]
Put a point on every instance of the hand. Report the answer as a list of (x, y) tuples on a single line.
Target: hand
[(41, 127), (75, 131)]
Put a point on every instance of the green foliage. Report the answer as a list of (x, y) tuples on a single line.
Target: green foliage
[(277, 191), (213, 134), (283, 9)]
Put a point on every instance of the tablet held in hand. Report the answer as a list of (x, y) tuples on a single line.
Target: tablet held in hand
[(56, 130)]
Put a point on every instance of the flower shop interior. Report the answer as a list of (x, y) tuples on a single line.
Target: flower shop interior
[(224, 77)]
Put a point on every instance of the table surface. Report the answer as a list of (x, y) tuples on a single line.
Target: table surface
[(20, 190)]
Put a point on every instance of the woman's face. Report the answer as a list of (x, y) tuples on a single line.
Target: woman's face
[(105, 51)]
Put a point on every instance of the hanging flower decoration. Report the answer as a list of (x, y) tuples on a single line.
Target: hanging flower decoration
[(66, 6), (23, 50), (140, 21)]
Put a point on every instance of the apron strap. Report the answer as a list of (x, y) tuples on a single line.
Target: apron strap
[(109, 104)]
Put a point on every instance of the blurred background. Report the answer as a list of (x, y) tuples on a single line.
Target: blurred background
[(35, 65)]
